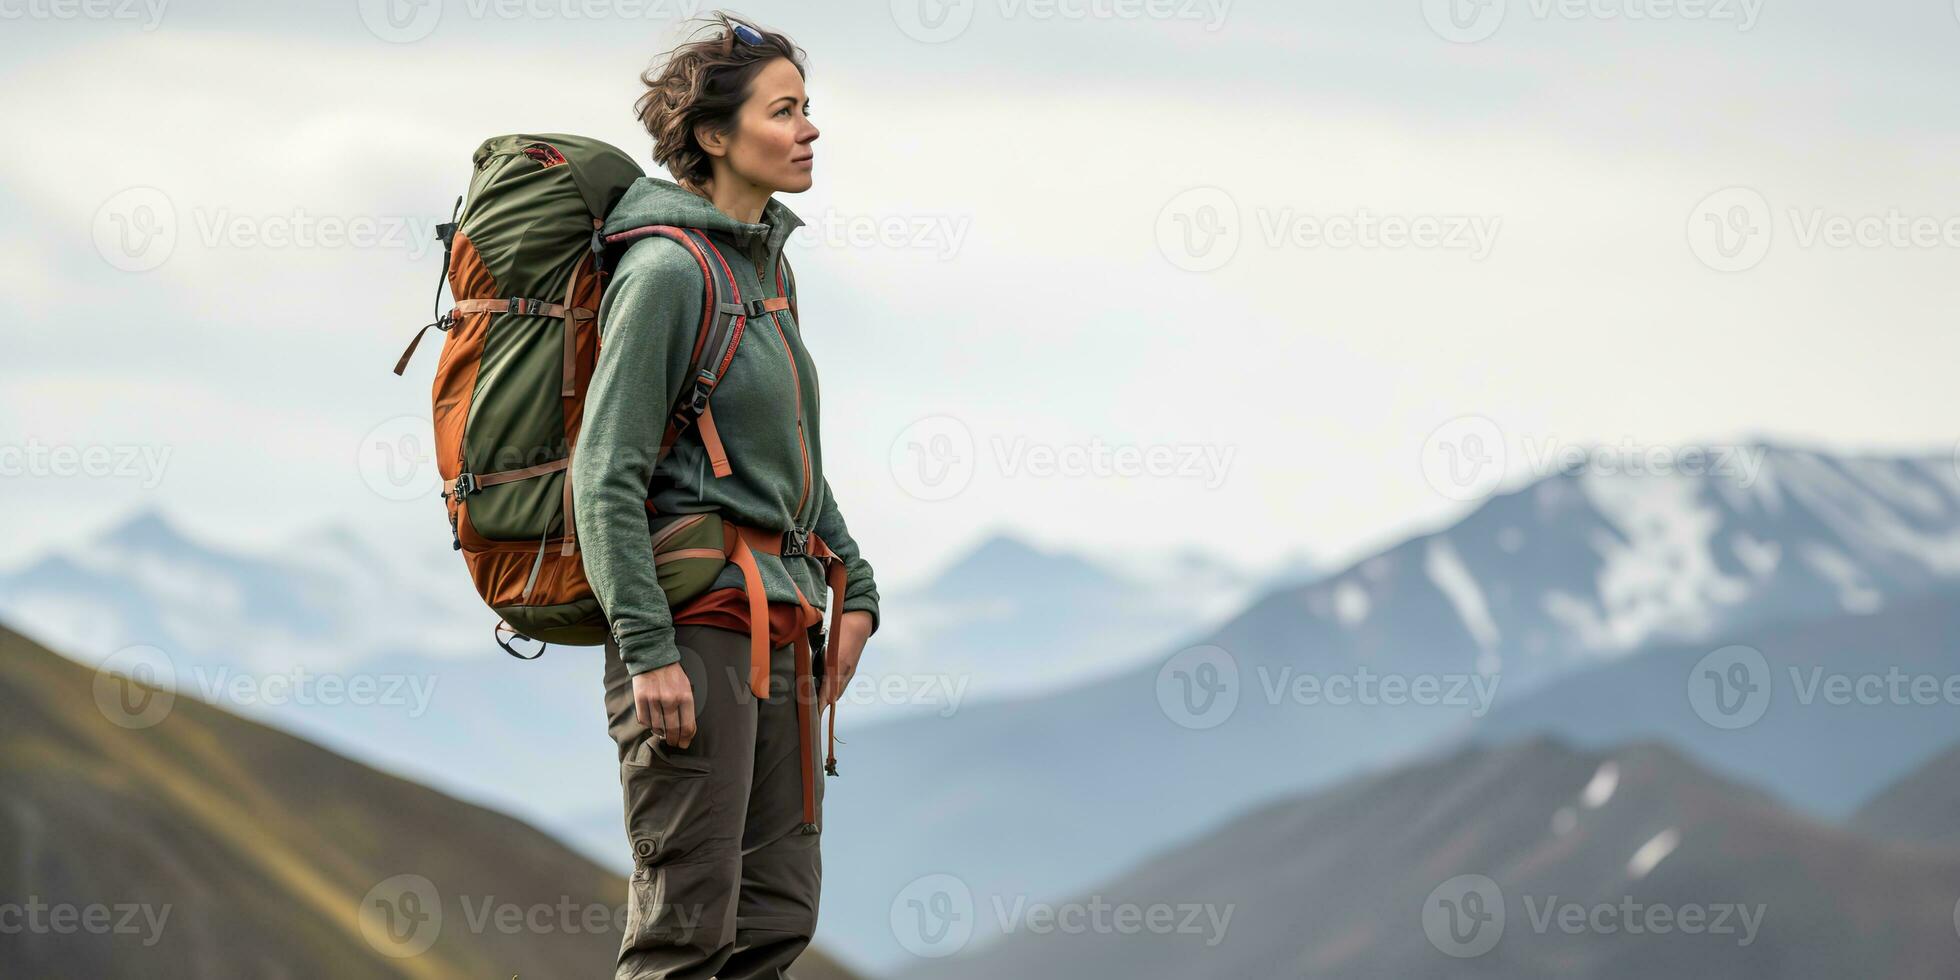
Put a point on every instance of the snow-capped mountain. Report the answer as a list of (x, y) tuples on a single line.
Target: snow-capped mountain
[(1578, 567), (327, 599)]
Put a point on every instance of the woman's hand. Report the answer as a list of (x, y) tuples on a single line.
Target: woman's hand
[(663, 701), (853, 628)]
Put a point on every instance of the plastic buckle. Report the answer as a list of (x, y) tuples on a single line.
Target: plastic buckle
[(795, 542), (523, 307), (697, 401), (754, 308), (465, 485)]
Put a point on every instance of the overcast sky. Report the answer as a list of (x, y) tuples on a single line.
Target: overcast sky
[(1281, 255)]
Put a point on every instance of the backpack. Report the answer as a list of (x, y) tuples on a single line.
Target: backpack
[(527, 261)]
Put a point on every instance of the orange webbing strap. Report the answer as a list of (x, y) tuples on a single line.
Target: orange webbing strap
[(482, 480), (805, 695), (711, 440), (565, 504), (737, 543), (524, 307), (834, 579), (402, 365), (569, 371)]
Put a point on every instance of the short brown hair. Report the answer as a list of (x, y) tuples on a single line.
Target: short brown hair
[(703, 82)]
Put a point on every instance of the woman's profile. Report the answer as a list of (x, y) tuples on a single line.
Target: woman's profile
[(721, 785)]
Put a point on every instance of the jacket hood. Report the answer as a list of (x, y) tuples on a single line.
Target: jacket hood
[(658, 201)]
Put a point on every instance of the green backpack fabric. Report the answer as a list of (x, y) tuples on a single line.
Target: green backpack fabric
[(524, 259)]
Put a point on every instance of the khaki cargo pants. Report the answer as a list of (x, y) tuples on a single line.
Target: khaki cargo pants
[(724, 882)]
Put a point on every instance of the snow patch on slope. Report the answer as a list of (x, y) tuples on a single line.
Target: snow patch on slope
[(1659, 574), (1446, 569)]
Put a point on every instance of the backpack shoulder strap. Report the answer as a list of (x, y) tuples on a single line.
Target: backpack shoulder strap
[(723, 316)]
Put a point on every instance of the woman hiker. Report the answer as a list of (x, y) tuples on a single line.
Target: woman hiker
[(722, 792)]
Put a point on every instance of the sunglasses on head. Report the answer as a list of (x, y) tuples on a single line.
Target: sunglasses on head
[(747, 34)]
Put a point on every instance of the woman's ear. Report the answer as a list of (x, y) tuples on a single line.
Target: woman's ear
[(712, 142)]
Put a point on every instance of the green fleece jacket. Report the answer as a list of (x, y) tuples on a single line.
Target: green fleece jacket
[(647, 323)]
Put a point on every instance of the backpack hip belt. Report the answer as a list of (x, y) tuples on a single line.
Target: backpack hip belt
[(741, 543)]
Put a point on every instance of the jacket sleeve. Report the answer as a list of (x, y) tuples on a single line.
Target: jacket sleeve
[(860, 589), (647, 321)]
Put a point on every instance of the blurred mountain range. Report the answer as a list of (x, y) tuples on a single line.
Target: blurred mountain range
[(330, 609), (1848, 702), (1058, 721), (1573, 576), (1923, 807), (1625, 864)]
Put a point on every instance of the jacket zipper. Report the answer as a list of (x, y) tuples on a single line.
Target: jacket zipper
[(796, 383), (801, 446)]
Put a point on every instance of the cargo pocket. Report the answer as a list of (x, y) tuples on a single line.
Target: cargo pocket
[(684, 901), (672, 805)]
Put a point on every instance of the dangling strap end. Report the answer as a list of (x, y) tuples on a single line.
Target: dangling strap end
[(711, 440), (402, 365)]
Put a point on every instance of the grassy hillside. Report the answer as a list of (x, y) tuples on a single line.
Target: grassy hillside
[(207, 845)]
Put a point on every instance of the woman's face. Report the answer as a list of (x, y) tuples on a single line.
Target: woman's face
[(771, 144)]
